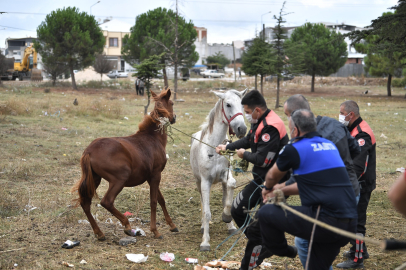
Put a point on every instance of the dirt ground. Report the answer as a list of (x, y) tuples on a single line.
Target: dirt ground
[(42, 137)]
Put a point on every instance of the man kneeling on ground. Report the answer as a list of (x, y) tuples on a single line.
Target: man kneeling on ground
[(322, 180)]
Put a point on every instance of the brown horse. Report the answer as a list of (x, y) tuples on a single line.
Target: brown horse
[(128, 162)]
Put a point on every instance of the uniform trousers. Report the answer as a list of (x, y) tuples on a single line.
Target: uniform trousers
[(274, 222)]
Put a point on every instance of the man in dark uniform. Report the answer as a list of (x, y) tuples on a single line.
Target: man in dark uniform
[(365, 168), (322, 182), (347, 146), (266, 138)]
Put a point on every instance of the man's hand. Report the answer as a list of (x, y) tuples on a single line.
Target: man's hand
[(220, 147), (267, 194), (240, 153)]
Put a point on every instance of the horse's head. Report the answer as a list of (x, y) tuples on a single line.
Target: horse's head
[(163, 106), (232, 110)]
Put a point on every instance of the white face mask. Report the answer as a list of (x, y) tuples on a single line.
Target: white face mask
[(341, 119), (250, 119)]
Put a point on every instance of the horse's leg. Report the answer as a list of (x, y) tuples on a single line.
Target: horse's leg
[(228, 193), (86, 205), (205, 189), (153, 191), (168, 219), (199, 188), (115, 187)]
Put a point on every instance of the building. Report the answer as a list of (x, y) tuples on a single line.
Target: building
[(205, 49), (353, 56), (201, 44), (114, 32)]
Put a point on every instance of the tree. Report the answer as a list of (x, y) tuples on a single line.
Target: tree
[(324, 51), (72, 37), (218, 58), (381, 59), (146, 71), (161, 32), (258, 59), (102, 65), (53, 67)]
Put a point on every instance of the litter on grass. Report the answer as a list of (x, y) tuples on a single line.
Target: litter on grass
[(137, 258), (167, 257)]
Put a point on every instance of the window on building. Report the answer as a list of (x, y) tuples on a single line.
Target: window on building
[(113, 42)]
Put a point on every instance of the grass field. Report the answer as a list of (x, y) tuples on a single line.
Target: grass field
[(42, 137)]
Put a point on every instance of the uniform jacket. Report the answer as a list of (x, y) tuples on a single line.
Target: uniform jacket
[(265, 138), (347, 146), (365, 162)]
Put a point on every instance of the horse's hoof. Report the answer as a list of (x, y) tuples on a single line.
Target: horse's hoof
[(232, 231), (226, 218), (205, 248), (159, 237), (101, 238), (175, 230)]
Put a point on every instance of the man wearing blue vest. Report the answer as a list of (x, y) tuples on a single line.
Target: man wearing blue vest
[(322, 181), (266, 138)]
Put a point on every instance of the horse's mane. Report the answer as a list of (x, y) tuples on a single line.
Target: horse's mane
[(159, 111), (207, 126)]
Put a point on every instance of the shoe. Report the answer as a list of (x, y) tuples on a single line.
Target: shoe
[(265, 253), (349, 255), (292, 252), (350, 264), (70, 244)]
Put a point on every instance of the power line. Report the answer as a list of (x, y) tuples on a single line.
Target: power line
[(17, 28)]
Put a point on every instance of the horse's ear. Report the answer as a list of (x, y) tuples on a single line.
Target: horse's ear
[(168, 94), (153, 94), (219, 94), (243, 92)]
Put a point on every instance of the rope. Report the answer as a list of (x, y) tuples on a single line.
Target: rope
[(311, 240), (245, 224), (280, 200), (238, 165)]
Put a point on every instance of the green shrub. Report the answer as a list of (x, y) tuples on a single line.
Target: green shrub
[(401, 82)]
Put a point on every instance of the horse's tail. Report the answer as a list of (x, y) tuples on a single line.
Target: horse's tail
[(85, 187)]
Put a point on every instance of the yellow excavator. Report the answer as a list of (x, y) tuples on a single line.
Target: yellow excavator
[(26, 69)]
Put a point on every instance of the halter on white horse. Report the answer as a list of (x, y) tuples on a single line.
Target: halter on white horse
[(210, 168)]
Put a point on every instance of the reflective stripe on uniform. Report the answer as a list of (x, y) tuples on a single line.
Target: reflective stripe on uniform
[(268, 159)]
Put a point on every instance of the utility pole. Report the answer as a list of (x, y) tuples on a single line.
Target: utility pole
[(263, 32), (235, 76)]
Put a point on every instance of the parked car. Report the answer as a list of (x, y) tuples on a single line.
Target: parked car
[(285, 77), (114, 74), (212, 74)]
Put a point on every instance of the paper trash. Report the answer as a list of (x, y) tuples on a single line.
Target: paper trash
[(137, 258), (167, 257)]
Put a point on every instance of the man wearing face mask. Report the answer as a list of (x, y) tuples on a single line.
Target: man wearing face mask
[(266, 138), (323, 183), (365, 168), (347, 146)]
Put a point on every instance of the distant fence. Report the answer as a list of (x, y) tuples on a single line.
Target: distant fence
[(350, 70)]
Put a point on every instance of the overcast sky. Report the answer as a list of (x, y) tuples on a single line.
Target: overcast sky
[(225, 20)]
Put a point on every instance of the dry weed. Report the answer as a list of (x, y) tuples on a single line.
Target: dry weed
[(15, 106)]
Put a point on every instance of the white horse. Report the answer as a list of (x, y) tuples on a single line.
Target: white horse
[(210, 168)]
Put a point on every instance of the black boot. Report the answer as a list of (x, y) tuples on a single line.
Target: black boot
[(357, 251)]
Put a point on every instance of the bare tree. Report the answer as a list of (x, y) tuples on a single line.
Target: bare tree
[(102, 65)]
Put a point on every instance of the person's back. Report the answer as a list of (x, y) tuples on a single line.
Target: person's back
[(347, 146), (326, 181)]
